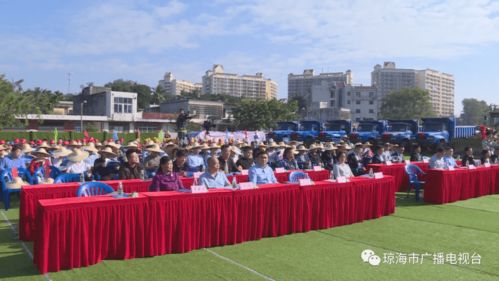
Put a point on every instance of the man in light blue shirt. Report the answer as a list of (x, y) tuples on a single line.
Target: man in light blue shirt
[(14, 160), (261, 173), (437, 160), (448, 157), (213, 177), (195, 162)]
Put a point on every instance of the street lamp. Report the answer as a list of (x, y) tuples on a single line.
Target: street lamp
[(81, 115)]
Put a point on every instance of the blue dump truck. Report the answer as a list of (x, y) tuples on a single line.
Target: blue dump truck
[(368, 131), (308, 131), (334, 130), (401, 132), (283, 131), (441, 131)]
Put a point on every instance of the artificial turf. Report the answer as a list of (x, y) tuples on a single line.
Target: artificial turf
[(470, 226)]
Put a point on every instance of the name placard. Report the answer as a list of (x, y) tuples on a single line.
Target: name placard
[(244, 172), (198, 189), (246, 185), (317, 168), (305, 182), (407, 162), (196, 175), (451, 168), (341, 180), (388, 163), (378, 175), (280, 170), (471, 167), (486, 165), (425, 160)]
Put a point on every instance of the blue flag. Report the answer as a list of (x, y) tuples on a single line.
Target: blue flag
[(115, 136)]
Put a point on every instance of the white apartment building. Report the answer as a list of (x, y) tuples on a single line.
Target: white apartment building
[(440, 85), (216, 81), (174, 87)]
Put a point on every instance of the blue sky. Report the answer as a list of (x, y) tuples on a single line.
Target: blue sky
[(99, 41)]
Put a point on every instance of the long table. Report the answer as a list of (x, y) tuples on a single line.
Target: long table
[(79, 232), (30, 194), (444, 186), (398, 171)]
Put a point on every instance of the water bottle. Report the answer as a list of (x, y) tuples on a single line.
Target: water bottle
[(120, 188), (82, 177), (234, 182), (142, 175), (331, 175), (371, 173)]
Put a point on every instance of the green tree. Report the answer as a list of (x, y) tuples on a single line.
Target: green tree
[(263, 114), (42, 100), (473, 111), (144, 93), (12, 103), (408, 103)]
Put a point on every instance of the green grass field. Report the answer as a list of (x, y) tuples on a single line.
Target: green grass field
[(470, 226)]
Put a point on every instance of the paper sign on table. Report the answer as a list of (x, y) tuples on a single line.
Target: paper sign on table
[(388, 163), (197, 174), (280, 170), (317, 168), (244, 172), (425, 160), (486, 165), (378, 175), (451, 168), (407, 162), (471, 167), (198, 189), (341, 179), (246, 185), (304, 182)]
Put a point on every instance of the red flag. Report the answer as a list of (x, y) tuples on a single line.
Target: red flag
[(85, 133), (138, 133)]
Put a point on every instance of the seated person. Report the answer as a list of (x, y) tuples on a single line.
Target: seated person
[(378, 157), (302, 158), (468, 157), (195, 162), (166, 179), (354, 160), (495, 158), (40, 159), (132, 169), (398, 154), (261, 173), (387, 152), (416, 154), (246, 161), (101, 169), (213, 177), (151, 162), (180, 162), (77, 164), (341, 168), (437, 160), (288, 161), (485, 157), (14, 159), (227, 164), (449, 160)]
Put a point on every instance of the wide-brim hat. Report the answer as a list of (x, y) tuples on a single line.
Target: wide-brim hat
[(107, 151), (196, 145), (27, 148), (40, 153), (358, 144), (77, 155), (3, 147), (45, 145), (329, 147), (90, 147), (367, 144), (75, 143), (61, 151), (272, 144), (134, 145), (150, 143), (113, 145), (16, 183), (154, 148), (205, 147), (282, 145), (301, 147)]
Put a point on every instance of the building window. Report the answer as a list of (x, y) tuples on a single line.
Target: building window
[(371, 94), (357, 102), (122, 105), (348, 102), (357, 94), (371, 111), (331, 103), (357, 110), (371, 102), (333, 94)]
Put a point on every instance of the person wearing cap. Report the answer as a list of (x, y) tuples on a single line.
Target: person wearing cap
[(416, 153), (341, 168), (227, 164), (180, 162), (261, 172), (288, 161), (246, 160), (397, 155), (214, 177), (165, 178), (132, 169), (195, 162), (41, 158), (14, 159), (354, 160), (302, 158), (77, 164)]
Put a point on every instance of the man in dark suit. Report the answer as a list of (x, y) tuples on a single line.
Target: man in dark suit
[(468, 157), (378, 155), (354, 159), (416, 154)]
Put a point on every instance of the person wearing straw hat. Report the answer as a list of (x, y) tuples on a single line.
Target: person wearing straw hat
[(41, 158), (132, 169), (302, 158), (314, 155), (195, 162), (151, 162), (328, 157), (77, 163), (59, 156), (14, 159), (100, 168), (92, 150)]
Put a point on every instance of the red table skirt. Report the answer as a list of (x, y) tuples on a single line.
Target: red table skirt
[(77, 232), (30, 195), (443, 186), (398, 171)]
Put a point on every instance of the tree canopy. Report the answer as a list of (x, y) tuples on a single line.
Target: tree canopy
[(474, 111), (408, 103), (263, 114)]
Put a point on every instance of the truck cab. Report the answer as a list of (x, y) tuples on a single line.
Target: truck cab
[(401, 132), (369, 131), (308, 131), (335, 130), (283, 131), (436, 131)]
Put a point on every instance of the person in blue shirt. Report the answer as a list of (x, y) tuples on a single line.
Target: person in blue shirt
[(213, 177), (13, 160), (449, 157), (261, 173), (195, 162)]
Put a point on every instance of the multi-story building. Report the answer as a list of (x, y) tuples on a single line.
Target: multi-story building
[(199, 108), (389, 78), (174, 87), (216, 81), (440, 85)]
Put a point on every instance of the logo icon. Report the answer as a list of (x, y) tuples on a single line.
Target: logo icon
[(370, 257)]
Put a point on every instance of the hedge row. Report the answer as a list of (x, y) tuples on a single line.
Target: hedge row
[(12, 135)]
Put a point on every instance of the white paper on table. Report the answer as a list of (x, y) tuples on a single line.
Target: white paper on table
[(244, 172), (451, 168), (280, 170), (407, 162), (388, 163), (305, 182), (198, 189), (246, 185), (471, 167), (317, 168), (486, 165), (196, 175), (378, 175), (341, 179)]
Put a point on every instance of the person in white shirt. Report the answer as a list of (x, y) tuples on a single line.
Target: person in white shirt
[(437, 160), (387, 154), (341, 168), (77, 164)]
